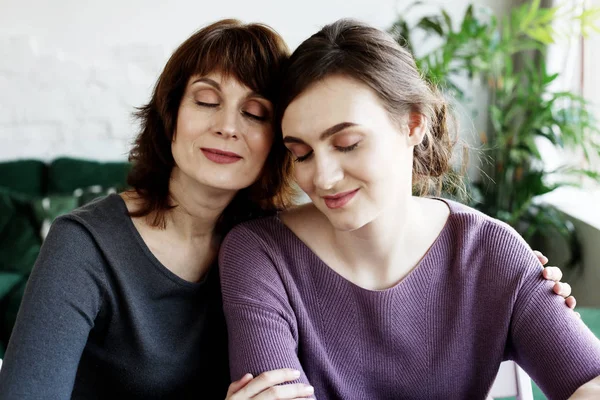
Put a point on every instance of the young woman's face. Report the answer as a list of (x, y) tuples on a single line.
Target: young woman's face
[(352, 159), (224, 132)]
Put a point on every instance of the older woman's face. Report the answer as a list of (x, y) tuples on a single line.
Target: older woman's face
[(224, 132), (351, 158)]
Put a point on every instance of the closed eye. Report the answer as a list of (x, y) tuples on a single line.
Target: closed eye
[(304, 157), (210, 105), (255, 117), (347, 148)]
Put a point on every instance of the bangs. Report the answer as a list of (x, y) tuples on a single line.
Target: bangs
[(253, 55)]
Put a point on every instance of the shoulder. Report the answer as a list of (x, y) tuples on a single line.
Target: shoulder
[(276, 235), (254, 233), (100, 212), (89, 231), (483, 228), (493, 243)]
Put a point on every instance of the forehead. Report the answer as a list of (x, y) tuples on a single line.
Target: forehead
[(331, 101)]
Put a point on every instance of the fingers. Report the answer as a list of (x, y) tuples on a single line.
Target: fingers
[(562, 289), (268, 379), (571, 302), (552, 274), (297, 390), (543, 259), (237, 385)]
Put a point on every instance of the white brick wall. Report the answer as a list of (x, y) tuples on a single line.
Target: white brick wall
[(72, 71), (61, 104)]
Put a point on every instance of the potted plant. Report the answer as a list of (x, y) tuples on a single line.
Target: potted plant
[(508, 55)]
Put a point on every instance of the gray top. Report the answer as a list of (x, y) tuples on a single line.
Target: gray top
[(476, 298), (101, 316)]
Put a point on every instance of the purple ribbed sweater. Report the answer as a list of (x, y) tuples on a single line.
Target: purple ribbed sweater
[(476, 298)]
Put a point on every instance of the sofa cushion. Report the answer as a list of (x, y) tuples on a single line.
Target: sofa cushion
[(19, 234), (65, 175), (24, 176)]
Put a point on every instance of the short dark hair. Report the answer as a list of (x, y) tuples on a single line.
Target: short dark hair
[(373, 57), (251, 53)]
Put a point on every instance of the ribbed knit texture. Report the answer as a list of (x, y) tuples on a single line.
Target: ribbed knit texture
[(476, 298), (102, 318)]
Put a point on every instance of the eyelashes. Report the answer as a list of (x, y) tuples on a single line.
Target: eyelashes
[(304, 157), (338, 148), (347, 148), (244, 113), (209, 105), (255, 117)]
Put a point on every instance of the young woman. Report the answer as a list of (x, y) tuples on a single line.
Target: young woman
[(370, 291), (124, 298)]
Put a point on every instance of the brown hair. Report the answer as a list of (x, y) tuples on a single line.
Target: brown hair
[(372, 57), (253, 54)]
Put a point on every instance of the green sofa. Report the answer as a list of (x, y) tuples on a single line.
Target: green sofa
[(32, 194)]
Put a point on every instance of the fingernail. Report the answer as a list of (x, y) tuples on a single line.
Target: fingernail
[(549, 274), (309, 389), (296, 373)]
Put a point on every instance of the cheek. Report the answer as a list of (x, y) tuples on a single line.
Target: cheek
[(303, 177), (379, 164), (260, 142), (189, 124)]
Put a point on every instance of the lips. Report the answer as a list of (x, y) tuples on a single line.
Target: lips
[(221, 156), (339, 200)]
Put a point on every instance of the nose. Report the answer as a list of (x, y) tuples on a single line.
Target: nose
[(328, 172), (226, 123)]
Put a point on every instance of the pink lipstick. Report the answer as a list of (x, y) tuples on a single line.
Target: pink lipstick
[(221, 156), (339, 200)]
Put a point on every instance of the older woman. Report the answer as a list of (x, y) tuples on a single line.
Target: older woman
[(124, 298)]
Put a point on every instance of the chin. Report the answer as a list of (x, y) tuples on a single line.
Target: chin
[(226, 183), (347, 222)]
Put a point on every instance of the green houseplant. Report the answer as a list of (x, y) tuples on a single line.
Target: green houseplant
[(508, 55)]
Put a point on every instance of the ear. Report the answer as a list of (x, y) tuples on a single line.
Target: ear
[(417, 126)]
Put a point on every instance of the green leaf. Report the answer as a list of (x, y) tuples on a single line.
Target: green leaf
[(530, 15), (431, 25), (540, 34), (448, 20)]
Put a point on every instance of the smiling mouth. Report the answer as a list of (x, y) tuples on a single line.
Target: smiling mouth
[(339, 200), (221, 156)]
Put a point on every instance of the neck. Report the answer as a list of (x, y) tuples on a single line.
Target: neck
[(382, 252), (198, 207), (382, 237)]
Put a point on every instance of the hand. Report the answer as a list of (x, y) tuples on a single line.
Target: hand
[(555, 274), (264, 386)]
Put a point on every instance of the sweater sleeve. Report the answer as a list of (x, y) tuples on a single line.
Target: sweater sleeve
[(547, 340), (61, 300), (261, 324)]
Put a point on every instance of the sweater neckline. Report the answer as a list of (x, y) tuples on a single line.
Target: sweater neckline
[(419, 272), (160, 267)]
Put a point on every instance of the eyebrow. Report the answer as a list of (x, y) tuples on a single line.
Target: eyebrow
[(324, 135), (209, 82), (216, 85)]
